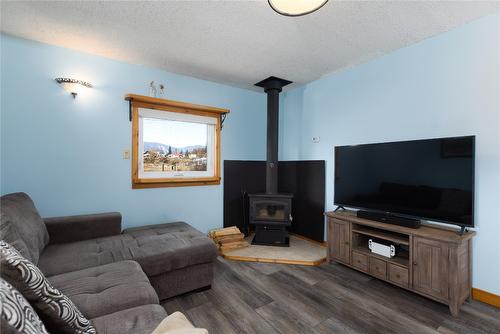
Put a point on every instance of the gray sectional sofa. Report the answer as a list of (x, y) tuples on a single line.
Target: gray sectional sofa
[(116, 278)]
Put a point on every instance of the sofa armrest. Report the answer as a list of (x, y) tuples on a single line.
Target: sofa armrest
[(83, 227)]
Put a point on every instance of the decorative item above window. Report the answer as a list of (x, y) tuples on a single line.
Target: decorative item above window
[(174, 144), (296, 7)]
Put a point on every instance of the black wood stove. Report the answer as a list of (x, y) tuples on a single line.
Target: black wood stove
[(271, 216), (271, 213)]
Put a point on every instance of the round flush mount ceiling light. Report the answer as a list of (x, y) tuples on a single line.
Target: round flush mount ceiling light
[(296, 7), (72, 85)]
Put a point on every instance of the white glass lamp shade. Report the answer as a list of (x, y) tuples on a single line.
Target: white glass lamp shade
[(296, 7), (73, 86)]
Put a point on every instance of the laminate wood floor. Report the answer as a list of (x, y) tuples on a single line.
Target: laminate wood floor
[(264, 298)]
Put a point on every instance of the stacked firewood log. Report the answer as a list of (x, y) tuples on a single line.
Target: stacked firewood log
[(228, 238)]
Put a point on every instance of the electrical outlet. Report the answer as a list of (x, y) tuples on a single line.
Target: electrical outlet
[(126, 154), (315, 140)]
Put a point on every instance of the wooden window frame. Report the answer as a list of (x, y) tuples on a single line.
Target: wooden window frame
[(146, 102)]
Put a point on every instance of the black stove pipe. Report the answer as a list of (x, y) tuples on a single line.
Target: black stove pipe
[(272, 86), (272, 140)]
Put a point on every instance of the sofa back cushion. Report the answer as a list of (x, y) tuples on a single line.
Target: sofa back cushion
[(9, 233), (20, 214), (17, 315), (58, 312)]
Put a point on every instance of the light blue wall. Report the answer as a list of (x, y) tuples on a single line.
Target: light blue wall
[(67, 154), (448, 85)]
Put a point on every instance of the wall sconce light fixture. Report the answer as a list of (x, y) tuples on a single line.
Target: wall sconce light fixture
[(72, 85)]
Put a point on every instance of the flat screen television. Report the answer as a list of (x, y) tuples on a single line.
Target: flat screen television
[(430, 179)]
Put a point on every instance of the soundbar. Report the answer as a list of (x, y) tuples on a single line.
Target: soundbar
[(388, 218)]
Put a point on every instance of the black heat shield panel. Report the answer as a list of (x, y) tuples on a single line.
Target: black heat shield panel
[(240, 179), (304, 179)]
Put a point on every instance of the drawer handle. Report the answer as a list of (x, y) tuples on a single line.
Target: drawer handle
[(397, 276), (414, 263), (347, 242)]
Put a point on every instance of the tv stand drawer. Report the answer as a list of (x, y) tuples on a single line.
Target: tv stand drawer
[(378, 267), (360, 261), (398, 275)]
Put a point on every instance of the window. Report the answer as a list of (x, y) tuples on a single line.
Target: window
[(174, 146)]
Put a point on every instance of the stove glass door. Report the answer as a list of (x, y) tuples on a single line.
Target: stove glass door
[(270, 210)]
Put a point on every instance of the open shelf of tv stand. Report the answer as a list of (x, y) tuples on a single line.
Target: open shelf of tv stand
[(381, 234), (432, 261)]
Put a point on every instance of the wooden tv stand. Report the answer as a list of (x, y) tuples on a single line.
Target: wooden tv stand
[(432, 261)]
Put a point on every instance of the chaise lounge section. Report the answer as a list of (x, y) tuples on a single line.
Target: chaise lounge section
[(176, 257)]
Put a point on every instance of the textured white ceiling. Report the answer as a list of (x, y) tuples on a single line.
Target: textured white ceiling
[(237, 42)]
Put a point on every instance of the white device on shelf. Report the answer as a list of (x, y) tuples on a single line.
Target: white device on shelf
[(381, 249)]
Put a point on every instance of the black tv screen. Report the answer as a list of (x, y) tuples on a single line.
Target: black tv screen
[(431, 179)]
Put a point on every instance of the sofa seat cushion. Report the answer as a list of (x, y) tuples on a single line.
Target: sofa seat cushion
[(171, 246), (157, 248), (138, 320), (106, 289)]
